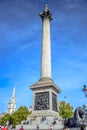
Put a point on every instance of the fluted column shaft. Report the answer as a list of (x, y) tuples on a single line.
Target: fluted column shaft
[(46, 49)]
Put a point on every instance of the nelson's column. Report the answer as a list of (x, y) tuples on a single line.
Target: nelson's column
[(45, 91)]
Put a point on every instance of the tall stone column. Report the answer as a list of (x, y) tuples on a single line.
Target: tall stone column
[(45, 90), (46, 48)]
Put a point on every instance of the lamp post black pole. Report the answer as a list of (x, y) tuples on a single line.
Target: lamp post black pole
[(85, 90)]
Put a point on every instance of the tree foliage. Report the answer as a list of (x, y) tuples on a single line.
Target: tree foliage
[(4, 119), (65, 110), (16, 117)]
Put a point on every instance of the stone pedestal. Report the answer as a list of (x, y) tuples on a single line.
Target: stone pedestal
[(44, 107), (45, 97)]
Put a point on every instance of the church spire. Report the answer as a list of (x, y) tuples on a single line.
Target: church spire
[(12, 103), (13, 94)]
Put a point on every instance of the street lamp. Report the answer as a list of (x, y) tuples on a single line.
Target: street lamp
[(85, 90)]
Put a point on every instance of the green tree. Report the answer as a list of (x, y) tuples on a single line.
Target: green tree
[(20, 115), (65, 110), (4, 119), (16, 117)]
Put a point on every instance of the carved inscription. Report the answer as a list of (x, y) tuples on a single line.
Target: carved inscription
[(41, 101), (54, 102)]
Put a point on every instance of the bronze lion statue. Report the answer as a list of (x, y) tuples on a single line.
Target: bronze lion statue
[(79, 119)]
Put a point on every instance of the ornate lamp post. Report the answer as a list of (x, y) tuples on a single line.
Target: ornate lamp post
[(85, 90)]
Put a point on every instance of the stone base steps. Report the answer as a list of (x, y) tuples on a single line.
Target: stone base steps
[(53, 129), (43, 122)]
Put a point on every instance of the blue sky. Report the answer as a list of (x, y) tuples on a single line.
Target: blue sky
[(20, 49)]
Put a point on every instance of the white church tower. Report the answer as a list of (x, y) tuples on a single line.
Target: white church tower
[(12, 103)]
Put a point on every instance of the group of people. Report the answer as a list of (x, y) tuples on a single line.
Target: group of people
[(5, 127), (37, 128)]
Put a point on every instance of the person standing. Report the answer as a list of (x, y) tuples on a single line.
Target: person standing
[(21, 128), (37, 127), (4, 127), (51, 128)]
